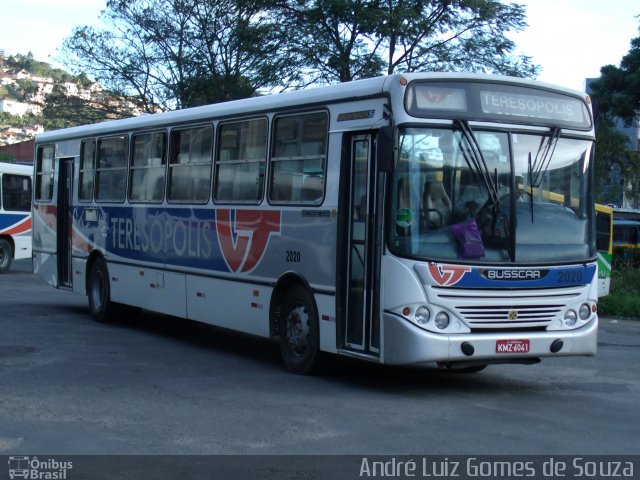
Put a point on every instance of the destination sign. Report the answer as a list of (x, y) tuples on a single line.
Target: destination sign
[(497, 102), (534, 106)]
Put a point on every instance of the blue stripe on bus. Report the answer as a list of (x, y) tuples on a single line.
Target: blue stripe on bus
[(552, 277), (187, 237), (10, 219)]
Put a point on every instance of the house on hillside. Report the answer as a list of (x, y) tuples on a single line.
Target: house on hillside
[(14, 107)]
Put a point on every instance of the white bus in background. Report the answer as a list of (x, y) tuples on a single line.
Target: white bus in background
[(15, 213), (411, 219)]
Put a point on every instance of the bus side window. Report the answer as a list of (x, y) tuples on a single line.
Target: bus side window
[(111, 173), (87, 170), (190, 165), (298, 159), (147, 172), (240, 162)]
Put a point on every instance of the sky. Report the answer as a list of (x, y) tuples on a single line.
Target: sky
[(570, 39)]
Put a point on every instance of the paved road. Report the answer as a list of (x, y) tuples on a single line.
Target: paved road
[(158, 385)]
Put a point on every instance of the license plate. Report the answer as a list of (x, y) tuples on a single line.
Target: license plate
[(512, 346)]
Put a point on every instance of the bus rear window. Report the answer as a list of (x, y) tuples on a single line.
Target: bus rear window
[(16, 193)]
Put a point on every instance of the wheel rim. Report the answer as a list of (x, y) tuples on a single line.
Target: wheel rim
[(298, 329)]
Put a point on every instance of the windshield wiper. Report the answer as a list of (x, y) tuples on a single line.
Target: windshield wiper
[(543, 157), (477, 159), (540, 165)]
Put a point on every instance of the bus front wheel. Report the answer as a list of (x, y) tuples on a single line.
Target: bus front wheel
[(299, 331), (6, 255), (100, 304)]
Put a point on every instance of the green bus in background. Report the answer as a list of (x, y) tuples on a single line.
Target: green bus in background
[(604, 247)]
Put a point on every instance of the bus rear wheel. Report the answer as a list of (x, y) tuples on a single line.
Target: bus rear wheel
[(6, 255), (99, 293), (300, 332)]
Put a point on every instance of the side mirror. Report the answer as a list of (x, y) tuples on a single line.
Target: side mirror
[(385, 149)]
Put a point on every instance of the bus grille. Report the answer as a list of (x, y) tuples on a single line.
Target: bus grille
[(505, 310), (478, 316)]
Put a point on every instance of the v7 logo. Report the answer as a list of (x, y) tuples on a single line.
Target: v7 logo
[(447, 275), (243, 236)]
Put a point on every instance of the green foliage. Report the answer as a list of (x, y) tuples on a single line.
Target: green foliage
[(343, 40), (61, 110), (616, 94), (9, 120), (7, 157), (179, 53), (622, 300), (612, 147), (617, 91)]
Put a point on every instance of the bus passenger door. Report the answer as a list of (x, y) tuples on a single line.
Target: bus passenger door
[(359, 304), (65, 198)]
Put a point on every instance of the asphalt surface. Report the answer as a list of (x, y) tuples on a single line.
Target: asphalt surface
[(159, 385)]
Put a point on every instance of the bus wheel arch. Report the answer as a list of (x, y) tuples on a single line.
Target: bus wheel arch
[(7, 248), (294, 319)]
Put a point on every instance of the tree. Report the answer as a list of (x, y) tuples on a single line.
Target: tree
[(343, 40), (612, 156), (617, 92), (61, 110), (179, 53), (616, 95)]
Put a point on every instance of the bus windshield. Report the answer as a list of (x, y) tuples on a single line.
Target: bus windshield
[(491, 196)]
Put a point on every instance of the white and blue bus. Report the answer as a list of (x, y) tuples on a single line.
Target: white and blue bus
[(15, 213), (411, 219)]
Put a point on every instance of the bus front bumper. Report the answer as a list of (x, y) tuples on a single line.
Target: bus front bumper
[(407, 344)]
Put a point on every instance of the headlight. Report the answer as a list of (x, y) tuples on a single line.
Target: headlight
[(422, 315), (570, 318), (585, 311), (442, 320)]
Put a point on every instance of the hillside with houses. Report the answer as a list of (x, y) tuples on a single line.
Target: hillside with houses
[(32, 94)]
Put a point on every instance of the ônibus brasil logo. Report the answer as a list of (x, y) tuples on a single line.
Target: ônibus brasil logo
[(244, 234), (447, 275)]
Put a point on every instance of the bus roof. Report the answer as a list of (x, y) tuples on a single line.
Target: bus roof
[(16, 169), (355, 90)]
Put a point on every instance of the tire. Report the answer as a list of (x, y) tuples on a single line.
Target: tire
[(300, 332), (99, 293), (6, 255)]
